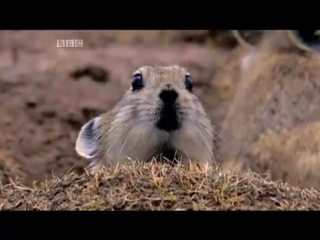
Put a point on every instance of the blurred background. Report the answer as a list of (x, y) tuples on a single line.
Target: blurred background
[(48, 93)]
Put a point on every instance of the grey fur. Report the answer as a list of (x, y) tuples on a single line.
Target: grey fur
[(128, 130)]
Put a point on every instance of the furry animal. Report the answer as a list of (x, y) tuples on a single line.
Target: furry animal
[(158, 115), (278, 93)]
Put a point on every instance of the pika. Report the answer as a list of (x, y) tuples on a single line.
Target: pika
[(158, 115), (278, 95)]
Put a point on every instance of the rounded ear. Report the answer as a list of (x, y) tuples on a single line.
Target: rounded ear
[(248, 38), (307, 40), (87, 144)]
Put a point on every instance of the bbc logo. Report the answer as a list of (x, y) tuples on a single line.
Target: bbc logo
[(69, 43)]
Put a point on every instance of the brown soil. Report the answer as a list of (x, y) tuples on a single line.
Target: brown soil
[(47, 93)]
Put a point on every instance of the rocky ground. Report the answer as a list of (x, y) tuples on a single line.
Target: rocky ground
[(47, 93)]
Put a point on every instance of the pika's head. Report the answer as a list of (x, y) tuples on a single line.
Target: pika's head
[(158, 113), (297, 43), (162, 96)]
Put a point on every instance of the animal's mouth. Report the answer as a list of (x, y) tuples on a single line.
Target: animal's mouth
[(168, 116)]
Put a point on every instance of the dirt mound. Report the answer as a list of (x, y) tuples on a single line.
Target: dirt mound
[(158, 187)]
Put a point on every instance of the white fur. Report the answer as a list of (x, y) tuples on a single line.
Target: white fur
[(85, 146)]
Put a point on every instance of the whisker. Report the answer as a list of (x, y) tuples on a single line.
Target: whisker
[(214, 132), (124, 143), (97, 162), (203, 139), (117, 137)]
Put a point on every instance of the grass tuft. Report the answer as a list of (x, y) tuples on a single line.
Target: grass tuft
[(138, 186)]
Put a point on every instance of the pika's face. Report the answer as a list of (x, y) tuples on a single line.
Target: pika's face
[(163, 96), (266, 44), (158, 115)]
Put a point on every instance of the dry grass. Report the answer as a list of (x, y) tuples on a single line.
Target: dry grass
[(9, 167), (158, 187)]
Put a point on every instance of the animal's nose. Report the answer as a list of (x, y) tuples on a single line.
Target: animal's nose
[(168, 96), (168, 86)]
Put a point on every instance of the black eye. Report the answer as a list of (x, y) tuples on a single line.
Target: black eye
[(137, 82), (188, 83)]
